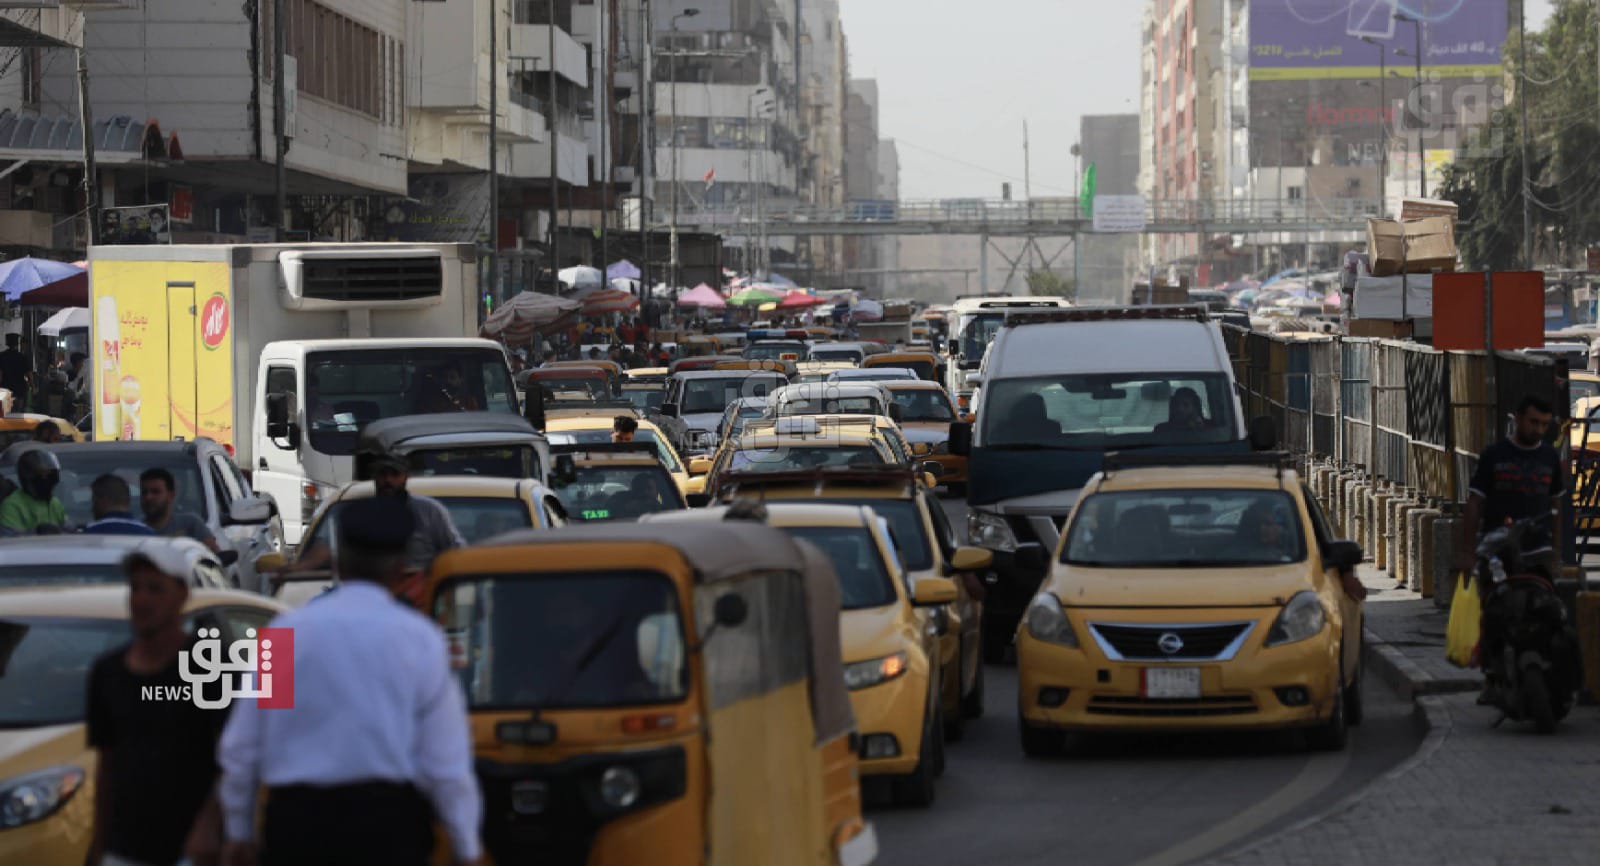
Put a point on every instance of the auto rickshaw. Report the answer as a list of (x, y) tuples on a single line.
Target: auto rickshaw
[(613, 370), (583, 381), (699, 347), (665, 694), (925, 364)]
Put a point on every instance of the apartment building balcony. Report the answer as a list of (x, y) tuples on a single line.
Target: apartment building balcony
[(531, 161), (530, 41)]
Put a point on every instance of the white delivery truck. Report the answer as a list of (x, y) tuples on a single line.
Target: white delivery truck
[(281, 352)]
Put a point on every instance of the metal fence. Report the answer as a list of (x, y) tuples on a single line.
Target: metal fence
[(1405, 412)]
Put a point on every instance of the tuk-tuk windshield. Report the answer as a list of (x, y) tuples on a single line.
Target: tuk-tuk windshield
[(590, 639), (863, 578)]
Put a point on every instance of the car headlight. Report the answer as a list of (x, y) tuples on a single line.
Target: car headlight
[(1303, 617), (861, 675), (36, 796), (1048, 622), (991, 531)]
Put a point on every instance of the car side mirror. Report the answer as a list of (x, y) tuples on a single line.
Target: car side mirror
[(933, 591), (1030, 558), (563, 471), (249, 511), (1263, 434), (953, 348), (961, 438), (699, 465), (971, 559), (1342, 555), (279, 425), (931, 468), (271, 562), (533, 405)]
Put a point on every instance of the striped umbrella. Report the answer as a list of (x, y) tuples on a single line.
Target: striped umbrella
[(527, 314), (609, 301)]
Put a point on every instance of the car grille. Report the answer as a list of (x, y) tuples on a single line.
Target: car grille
[(1209, 642), (1217, 705)]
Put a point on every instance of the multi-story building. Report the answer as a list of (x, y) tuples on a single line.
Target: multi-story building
[(826, 74), (861, 182), (889, 190), (728, 114)]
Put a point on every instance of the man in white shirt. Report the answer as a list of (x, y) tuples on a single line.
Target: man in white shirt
[(376, 746)]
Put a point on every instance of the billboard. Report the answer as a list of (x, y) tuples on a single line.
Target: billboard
[(140, 224), (441, 208), (1304, 39)]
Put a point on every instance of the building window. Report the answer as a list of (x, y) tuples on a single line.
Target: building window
[(340, 60), (1295, 193)]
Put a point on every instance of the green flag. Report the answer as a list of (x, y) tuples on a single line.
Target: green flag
[(1086, 194)]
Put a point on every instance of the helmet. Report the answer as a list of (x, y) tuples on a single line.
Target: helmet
[(38, 473)]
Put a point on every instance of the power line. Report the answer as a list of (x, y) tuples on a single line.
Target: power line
[(973, 166)]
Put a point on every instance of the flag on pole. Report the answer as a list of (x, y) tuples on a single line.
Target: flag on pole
[(1086, 195), (711, 178)]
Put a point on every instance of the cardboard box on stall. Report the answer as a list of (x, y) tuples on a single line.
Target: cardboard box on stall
[(1414, 246), (1423, 208)]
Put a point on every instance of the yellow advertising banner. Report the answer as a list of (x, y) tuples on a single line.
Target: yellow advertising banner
[(163, 348)]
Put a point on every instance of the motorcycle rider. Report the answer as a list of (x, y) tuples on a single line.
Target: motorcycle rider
[(34, 507), (1517, 478)]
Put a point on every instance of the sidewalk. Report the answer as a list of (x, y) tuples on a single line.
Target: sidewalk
[(1472, 795)]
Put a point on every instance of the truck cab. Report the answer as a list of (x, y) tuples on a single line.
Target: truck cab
[(973, 322)]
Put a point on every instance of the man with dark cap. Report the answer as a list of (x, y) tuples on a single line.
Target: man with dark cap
[(377, 746)]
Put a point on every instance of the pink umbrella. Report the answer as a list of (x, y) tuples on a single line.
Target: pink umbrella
[(797, 299), (702, 296)]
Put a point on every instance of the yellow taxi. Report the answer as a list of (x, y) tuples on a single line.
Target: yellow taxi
[(925, 416), (647, 374), (1191, 593), (818, 371), (595, 429), (52, 636), (929, 547), (19, 428), (804, 442), (888, 639), (613, 481)]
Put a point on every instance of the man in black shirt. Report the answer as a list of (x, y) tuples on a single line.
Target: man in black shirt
[(1517, 478), (157, 758), (15, 372)]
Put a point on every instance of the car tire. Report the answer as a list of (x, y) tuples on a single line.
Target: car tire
[(1041, 742), (1334, 734), (917, 788), (972, 702)]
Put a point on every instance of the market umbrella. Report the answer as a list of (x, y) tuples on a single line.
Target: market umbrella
[(625, 284), (797, 300), (609, 301), (781, 281), (754, 298), (530, 313), (624, 270), (867, 310), (65, 320), (28, 273), (582, 277), (702, 296), (70, 292)]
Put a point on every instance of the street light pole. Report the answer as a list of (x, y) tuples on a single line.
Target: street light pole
[(673, 73), (1416, 26), (555, 178), (1383, 126)]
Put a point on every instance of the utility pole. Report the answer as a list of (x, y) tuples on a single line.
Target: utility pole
[(1422, 153), (280, 114), (494, 152), (1027, 184), (91, 186), (1527, 175), (555, 179), (1383, 124), (673, 73), (603, 102), (647, 137)]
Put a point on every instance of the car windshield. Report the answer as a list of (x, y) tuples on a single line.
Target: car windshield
[(600, 437), (644, 399), (595, 388), (1582, 389), (475, 517), (863, 578), (850, 355), (713, 394), (737, 419), (1186, 529), (44, 664), (619, 492), (792, 457), (821, 404), (1094, 412), (81, 466), (56, 573), (347, 389), (591, 639), (497, 461), (768, 351), (874, 374), (924, 405), (978, 333), (909, 531)]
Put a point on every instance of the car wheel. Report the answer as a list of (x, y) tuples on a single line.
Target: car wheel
[(972, 702), (917, 787), (1041, 742), (1334, 734)]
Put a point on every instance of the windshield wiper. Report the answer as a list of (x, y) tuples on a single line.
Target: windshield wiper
[(586, 658)]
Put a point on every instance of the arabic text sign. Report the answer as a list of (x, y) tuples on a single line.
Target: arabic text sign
[(1312, 35), (1119, 213), (259, 665)]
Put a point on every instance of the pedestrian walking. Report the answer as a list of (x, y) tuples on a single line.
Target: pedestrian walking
[(16, 370), (377, 744), (157, 759)]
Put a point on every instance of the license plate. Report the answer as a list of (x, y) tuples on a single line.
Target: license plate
[(1173, 684)]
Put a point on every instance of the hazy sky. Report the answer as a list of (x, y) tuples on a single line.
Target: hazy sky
[(956, 79)]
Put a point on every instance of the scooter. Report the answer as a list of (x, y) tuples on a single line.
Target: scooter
[(1529, 647)]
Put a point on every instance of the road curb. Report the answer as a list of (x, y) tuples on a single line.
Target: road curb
[(1429, 713), (1407, 677)]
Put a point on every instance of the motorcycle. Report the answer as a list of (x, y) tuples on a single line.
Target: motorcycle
[(1529, 646)]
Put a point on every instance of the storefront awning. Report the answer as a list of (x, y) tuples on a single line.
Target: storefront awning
[(118, 140)]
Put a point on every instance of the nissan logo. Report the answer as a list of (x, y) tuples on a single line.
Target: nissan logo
[(1170, 643)]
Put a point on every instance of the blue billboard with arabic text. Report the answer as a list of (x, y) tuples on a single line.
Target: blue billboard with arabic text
[(1304, 39)]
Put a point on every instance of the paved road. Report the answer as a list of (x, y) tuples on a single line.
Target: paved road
[(1135, 801)]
